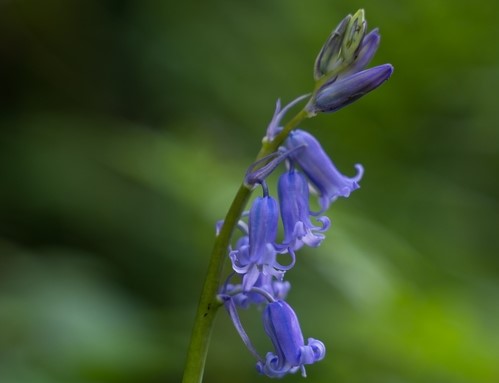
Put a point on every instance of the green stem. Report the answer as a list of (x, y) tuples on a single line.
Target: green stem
[(208, 303)]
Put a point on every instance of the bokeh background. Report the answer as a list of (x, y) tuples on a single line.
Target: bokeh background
[(126, 128)]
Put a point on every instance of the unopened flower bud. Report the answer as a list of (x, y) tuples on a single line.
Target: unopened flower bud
[(328, 57), (341, 92), (348, 50), (366, 52), (354, 35)]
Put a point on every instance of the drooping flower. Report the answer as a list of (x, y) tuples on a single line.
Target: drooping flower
[(295, 212), (320, 170), (258, 254), (291, 353)]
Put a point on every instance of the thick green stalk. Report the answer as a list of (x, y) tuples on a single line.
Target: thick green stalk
[(208, 303)]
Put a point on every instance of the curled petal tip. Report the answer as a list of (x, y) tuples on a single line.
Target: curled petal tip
[(360, 172)]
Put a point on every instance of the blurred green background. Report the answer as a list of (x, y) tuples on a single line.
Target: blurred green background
[(126, 128)]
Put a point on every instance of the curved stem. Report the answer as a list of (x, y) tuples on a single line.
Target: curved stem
[(208, 303)]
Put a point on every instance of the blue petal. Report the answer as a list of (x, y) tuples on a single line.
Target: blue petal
[(320, 170), (295, 212), (291, 354)]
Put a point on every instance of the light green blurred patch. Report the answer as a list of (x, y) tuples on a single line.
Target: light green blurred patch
[(61, 321), (396, 315)]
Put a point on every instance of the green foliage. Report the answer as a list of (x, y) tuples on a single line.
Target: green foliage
[(126, 128)]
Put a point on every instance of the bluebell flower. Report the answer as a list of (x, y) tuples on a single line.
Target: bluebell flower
[(291, 353), (320, 170), (295, 212), (257, 253)]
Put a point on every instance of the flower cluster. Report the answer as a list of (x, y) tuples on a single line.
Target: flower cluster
[(340, 66), (262, 255), (259, 258)]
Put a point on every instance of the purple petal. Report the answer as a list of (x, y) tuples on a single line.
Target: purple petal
[(320, 170), (339, 93)]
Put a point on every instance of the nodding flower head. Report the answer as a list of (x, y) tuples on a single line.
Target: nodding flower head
[(320, 170), (295, 212), (257, 254), (291, 353)]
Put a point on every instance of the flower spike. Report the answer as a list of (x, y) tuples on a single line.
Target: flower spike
[(257, 277)]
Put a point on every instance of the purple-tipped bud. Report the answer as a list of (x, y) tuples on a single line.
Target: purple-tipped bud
[(320, 170), (291, 354), (369, 46), (341, 92)]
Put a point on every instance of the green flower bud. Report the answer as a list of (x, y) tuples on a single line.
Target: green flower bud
[(354, 35), (329, 57)]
